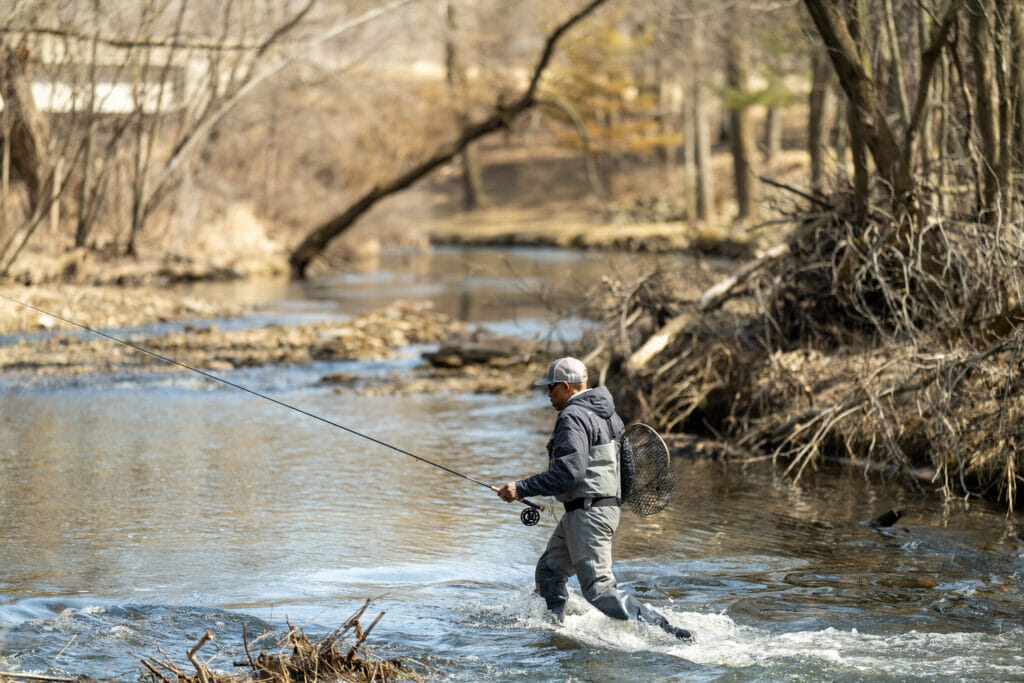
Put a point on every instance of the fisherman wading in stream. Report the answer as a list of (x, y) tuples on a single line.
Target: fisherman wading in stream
[(583, 474)]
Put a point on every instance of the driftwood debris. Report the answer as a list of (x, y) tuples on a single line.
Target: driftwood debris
[(711, 299), (15, 676), (341, 655), (852, 341), (294, 658)]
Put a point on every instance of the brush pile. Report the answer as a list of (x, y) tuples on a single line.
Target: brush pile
[(869, 340), (341, 655)]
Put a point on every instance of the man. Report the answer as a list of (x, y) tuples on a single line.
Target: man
[(583, 474)]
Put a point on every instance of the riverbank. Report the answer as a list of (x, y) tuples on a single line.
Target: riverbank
[(103, 307), (211, 326), (467, 360), (532, 227)]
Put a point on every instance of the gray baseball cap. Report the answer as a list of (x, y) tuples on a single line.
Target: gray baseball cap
[(568, 369)]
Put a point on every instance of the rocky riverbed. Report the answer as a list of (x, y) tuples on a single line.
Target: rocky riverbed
[(41, 344)]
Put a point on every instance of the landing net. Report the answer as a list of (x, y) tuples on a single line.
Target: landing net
[(654, 478)]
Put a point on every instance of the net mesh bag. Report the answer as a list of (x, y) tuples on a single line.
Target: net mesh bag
[(648, 478)]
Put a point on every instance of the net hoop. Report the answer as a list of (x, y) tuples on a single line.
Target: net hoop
[(654, 477)]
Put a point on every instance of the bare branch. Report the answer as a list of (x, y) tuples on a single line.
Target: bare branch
[(501, 115)]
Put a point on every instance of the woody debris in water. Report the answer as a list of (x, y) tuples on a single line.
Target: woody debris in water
[(341, 655)]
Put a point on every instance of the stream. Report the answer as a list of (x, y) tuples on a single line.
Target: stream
[(136, 512)]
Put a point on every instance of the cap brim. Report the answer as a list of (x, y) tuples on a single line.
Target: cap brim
[(544, 382)]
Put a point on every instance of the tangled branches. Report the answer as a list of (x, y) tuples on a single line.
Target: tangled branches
[(295, 658), (881, 343)]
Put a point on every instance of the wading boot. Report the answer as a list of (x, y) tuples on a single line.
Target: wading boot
[(649, 616)]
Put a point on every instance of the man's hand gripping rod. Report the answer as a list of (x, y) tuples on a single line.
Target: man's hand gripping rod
[(530, 514)]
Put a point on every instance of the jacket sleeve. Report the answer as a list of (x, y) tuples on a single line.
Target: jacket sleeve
[(570, 451)]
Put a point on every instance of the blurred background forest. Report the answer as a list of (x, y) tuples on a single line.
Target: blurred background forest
[(225, 125), (227, 130)]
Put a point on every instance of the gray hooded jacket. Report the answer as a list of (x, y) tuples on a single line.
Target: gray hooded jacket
[(583, 453)]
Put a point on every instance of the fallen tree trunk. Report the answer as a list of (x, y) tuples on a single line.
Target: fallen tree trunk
[(500, 117)]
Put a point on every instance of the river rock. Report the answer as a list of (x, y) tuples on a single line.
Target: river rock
[(494, 352)]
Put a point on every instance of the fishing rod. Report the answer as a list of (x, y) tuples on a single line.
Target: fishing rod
[(529, 516)]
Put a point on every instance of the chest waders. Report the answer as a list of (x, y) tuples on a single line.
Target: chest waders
[(581, 545)]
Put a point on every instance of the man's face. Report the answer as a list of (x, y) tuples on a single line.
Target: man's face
[(558, 394)]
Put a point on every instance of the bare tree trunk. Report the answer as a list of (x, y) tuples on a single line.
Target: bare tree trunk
[(1004, 115), (148, 131), (979, 13), (772, 133), (5, 173), (474, 195), (705, 186), (858, 135), (899, 79), (861, 175), (968, 126), (818, 116), (702, 160), (83, 224), (316, 241), (931, 54), (936, 138), (688, 124), (857, 83), (670, 105), (25, 150), (742, 138), (1017, 92), (839, 135), (28, 130)]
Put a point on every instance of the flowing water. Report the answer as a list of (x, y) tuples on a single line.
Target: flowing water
[(138, 512)]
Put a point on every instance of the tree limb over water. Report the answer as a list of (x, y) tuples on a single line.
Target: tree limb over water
[(500, 117)]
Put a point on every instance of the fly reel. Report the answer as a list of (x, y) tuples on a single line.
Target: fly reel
[(529, 516)]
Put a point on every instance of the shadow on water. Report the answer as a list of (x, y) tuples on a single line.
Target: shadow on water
[(138, 513)]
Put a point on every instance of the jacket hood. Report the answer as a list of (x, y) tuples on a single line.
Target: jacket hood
[(599, 400)]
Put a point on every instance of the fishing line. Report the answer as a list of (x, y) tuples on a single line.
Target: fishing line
[(530, 516)]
